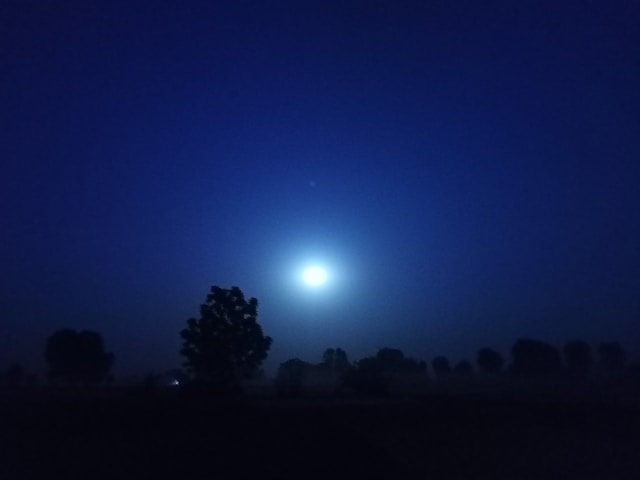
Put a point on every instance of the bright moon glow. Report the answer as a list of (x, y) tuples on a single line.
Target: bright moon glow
[(314, 276)]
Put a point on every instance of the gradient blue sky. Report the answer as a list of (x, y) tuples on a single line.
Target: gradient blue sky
[(469, 171)]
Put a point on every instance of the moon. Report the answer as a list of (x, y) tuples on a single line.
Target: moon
[(314, 276)]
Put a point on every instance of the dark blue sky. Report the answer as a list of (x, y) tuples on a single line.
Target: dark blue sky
[(468, 171)]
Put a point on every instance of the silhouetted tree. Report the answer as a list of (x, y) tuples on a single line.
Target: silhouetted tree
[(441, 366), (366, 376), (533, 357), (77, 357), (612, 356), (392, 360), (489, 361), (335, 360), (578, 357), (328, 357), (374, 375), (463, 368), (331, 371), (291, 377), (226, 343)]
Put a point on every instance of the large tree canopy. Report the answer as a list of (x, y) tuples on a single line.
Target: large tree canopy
[(226, 343)]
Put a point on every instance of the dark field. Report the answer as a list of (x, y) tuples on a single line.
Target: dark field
[(182, 436)]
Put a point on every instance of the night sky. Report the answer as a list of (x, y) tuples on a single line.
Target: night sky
[(468, 173)]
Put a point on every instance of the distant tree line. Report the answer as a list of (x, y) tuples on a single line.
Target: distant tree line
[(225, 345), (530, 358)]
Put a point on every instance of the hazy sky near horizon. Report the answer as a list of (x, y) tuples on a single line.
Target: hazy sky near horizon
[(468, 172)]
